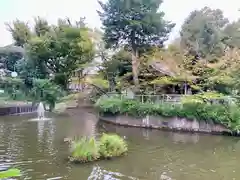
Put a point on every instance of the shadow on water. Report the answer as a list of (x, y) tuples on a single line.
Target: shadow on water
[(37, 149)]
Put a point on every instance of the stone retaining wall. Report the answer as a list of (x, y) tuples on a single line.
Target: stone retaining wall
[(175, 124), (21, 109)]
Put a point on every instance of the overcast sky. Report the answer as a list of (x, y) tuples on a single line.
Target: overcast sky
[(176, 10)]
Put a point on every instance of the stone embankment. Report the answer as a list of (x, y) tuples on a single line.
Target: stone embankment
[(173, 124), (16, 108)]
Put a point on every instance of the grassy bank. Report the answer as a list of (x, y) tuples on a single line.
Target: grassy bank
[(71, 100), (228, 115)]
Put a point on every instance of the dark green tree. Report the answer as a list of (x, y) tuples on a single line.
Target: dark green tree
[(201, 33), (116, 67), (232, 34), (135, 24), (9, 56), (60, 51)]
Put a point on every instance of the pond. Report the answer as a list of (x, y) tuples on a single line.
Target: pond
[(38, 150)]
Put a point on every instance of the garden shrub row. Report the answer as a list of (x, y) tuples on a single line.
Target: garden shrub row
[(228, 115)]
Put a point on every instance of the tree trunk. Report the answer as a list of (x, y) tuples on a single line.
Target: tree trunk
[(135, 64)]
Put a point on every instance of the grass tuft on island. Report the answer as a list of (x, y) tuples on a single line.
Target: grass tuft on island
[(88, 149), (228, 115), (84, 150), (112, 145)]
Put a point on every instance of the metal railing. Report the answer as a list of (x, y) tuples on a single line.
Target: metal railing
[(173, 98)]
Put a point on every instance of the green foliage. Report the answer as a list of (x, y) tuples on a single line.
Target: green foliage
[(20, 31), (112, 145), (88, 149), (164, 81), (202, 97), (224, 76), (136, 25), (13, 88), (116, 67), (57, 50), (202, 34), (119, 63), (45, 91), (70, 97), (100, 82), (11, 173), (41, 90), (84, 150), (9, 56), (232, 34), (206, 55), (61, 52), (41, 26), (228, 115)]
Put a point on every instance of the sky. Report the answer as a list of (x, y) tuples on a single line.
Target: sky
[(26, 10)]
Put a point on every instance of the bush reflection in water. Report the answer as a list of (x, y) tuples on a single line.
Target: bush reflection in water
[(38, 150)]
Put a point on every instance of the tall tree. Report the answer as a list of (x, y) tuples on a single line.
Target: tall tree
[(201, 33), (20, 31), (60, 51), (136, 24), (232, 34), (9, 56)]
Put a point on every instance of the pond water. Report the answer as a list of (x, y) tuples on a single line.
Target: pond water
[(38, 150)]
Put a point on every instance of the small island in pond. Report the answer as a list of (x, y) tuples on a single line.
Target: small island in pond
[(86, 149)]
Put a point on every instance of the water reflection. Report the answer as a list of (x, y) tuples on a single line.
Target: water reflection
[(40, 125), (37, 148), (46, 134), (145, 133), (184, 138)]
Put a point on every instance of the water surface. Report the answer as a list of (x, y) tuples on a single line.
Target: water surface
[(37, 149)]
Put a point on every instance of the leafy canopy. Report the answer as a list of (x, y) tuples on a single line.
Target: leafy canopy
[(201, 33), (136, 23), (56, 50)]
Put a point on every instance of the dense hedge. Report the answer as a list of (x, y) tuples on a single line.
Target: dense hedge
[(228, 115)]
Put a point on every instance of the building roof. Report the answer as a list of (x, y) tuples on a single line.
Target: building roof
[(162, 68)]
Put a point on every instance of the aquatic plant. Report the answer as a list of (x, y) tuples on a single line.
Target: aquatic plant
[(88, 149), (84, 150), (10, 173), (112, 145)]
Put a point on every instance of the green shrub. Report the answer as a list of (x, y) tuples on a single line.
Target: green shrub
[(228, 115), (112, 145), (112, 105), (84, 150)]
